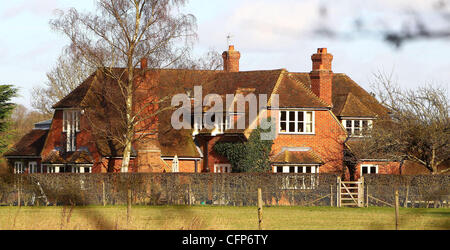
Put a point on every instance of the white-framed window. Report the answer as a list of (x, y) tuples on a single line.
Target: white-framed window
[(304, 169), (222, 168), (296, 122), (369, 169), (80, 169), (357, 128), (71, 120), (71, 125), (19, 167), (298, 181), (32, 167), (55, 168), (220, 125)]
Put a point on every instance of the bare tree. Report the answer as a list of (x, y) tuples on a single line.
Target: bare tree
[(23, 120), (119, 34), (418, 128), (67, 74)]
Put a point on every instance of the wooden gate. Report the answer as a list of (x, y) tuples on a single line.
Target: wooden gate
[(350, 193)]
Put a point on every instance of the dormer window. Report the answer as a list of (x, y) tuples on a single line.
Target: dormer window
[(71, 125), (357, 128), (219, 125), (71, 120)]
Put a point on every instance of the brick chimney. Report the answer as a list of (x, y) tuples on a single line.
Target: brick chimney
[(231, 60), (144, 63), (321, 75)]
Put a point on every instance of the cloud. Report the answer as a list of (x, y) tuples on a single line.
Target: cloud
[(262, 25), (42, 8)]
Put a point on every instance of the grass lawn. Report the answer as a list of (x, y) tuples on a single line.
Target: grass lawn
[(213, 218)]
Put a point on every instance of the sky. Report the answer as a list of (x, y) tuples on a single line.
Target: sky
[(269, 35)]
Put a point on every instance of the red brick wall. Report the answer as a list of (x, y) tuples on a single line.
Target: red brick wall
[(326, 141), (383, 168), (186, 166), (56, 138)]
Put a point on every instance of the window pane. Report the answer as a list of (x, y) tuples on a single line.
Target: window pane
[(292, 127), (365, 124), (309, 116), (300, 127), (308, 170), (300, 169), (292, 116), (357, 124), (364, 170), (283, 126), (301, 116), (279, 169), (291, 169), (348, 124), (373, 170), (283, 116), (309, 128)]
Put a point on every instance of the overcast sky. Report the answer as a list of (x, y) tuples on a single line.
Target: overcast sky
[(269, 34)]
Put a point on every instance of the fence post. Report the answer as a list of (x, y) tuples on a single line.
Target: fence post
[(331, 195), (18, 191), (406, 196), (260, 207), (396, 208), (103, 193), (367, 196), (338, 194), (361, 192), (128, 204)]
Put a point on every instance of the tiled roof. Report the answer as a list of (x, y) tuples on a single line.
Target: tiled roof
[(354, 108), (343, 86), (293, 89), (74, 98), (293, 93), (296, 156), (54, 157), (358, 148), (414, 168), (81, 157), (30, 145)]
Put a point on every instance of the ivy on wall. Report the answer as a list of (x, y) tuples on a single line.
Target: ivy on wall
[(250, 156)]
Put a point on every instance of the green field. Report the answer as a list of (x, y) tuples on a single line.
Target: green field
[(219, 218)]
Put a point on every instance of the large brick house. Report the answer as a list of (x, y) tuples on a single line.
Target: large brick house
[(320, 116)]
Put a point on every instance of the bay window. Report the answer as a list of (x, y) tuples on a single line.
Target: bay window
[(296, 122), (298, 181)]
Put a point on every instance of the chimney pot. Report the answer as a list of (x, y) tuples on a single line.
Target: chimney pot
[(231, 59), (321, 75), (144, 63), (322, 50)]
